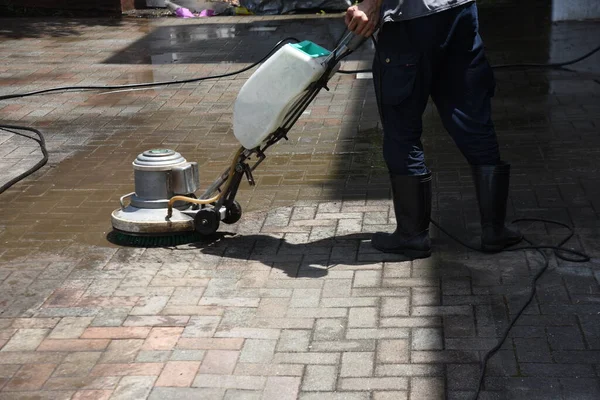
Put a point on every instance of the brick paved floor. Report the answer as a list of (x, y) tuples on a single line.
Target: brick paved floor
[(291, 302)]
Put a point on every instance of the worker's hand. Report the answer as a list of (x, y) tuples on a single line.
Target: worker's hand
[(362, 19)]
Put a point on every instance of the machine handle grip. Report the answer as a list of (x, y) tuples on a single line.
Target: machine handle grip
[(356, 41), (348, 44)]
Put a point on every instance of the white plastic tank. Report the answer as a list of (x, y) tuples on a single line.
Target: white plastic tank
[(272, 90)]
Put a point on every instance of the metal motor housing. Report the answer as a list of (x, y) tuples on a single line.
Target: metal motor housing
[(159, 175)]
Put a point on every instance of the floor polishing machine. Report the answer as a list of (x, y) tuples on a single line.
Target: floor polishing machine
[(164, 208)]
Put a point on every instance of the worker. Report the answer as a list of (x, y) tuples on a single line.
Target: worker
[(433, 48)]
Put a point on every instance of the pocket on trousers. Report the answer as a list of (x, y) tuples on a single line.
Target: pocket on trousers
[(398, 75)]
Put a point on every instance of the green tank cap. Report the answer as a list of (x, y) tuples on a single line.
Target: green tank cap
[(312, 49)]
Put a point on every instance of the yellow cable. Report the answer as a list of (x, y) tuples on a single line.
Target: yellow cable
[(212, 199)]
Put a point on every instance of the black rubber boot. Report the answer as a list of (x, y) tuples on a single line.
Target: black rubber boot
[(412, 205), (491, 186)]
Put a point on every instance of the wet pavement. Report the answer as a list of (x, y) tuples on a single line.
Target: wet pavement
[(291, 302)]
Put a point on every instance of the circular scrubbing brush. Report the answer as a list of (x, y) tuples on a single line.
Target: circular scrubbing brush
[(168, 240)]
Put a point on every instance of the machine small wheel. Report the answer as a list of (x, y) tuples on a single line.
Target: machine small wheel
[(233, 213), (206, 221)]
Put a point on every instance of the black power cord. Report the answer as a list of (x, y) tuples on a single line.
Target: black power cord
[(42, 143), (550, 65), (558, 250), (150, 84), (502, 66)]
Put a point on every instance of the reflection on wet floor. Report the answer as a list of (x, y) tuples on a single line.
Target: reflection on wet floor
[(211, 43)]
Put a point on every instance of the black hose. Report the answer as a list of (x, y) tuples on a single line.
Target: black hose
[(518, 65), (42, 143), (354, 71), (558, 252), (550, 65), (149, 84)]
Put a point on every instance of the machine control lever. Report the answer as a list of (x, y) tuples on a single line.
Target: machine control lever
[(248, 173)]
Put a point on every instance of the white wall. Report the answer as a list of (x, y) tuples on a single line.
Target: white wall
[(563, 10)]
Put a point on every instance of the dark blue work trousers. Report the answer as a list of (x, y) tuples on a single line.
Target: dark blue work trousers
[(441, 56)]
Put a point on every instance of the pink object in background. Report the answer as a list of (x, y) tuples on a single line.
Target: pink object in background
[(207, 13), (184, 13)]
